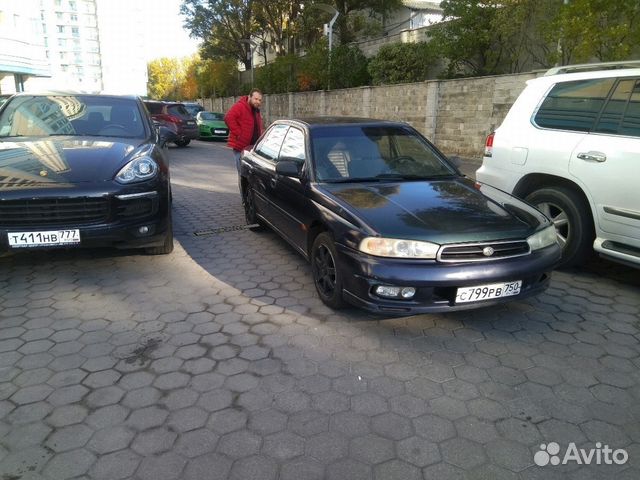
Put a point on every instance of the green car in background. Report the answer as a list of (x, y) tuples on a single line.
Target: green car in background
[(211, 125)]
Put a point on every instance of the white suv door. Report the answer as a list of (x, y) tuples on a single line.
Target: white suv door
[(607, 161)]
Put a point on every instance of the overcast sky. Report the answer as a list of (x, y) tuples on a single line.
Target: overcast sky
[(158, 22)]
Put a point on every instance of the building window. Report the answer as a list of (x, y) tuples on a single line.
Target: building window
[(72, 5), (73, 17), (60, 28), (75, 31)]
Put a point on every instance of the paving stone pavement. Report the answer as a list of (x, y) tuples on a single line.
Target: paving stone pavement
[(219, 361)]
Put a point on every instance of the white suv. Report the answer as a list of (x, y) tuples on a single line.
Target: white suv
[(570, 145)]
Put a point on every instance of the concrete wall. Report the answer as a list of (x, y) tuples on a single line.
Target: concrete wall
[(456, 115)]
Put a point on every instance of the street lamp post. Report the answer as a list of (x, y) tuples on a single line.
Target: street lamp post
[(252, 46), (328, 30)]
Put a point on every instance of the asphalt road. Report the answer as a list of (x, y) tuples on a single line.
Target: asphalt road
[(219, 361)]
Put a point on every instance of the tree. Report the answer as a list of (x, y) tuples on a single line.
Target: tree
[(221, 24), (189, 88), (466, 38), (401, 63), (276, 20), (217, 78), (165, 76), (523, 27), (357, 16), (596, 29)]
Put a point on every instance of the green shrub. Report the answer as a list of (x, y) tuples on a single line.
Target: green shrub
[(348, 67), (278, 76), (401, 63)]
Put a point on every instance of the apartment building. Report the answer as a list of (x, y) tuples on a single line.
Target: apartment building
[(22, 47), (83, 45), (72, 43)]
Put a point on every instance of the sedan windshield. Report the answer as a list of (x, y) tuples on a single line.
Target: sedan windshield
[(211, 116), (71, 115), (381, 153)]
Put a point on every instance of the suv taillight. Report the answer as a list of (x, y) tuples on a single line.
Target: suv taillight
[(488, 145), (170, 118)]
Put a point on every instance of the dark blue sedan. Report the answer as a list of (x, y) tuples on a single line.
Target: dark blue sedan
[(388, 223)]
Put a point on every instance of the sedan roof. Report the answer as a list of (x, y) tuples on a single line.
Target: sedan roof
[(338, 120)]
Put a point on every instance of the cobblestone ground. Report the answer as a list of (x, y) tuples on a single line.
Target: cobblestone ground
[(219, 361)]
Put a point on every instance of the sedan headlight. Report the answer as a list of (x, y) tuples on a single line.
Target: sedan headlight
[(137, 170), (543, 238), (396, 248)]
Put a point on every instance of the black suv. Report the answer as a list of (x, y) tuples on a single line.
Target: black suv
[(175, 116)]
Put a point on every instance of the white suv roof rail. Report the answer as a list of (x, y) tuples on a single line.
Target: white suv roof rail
[(585, 67)]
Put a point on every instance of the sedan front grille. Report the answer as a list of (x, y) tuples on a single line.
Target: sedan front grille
[(482, 252), (56, 211)]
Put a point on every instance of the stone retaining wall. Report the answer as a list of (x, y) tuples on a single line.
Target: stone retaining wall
[(456, 115)]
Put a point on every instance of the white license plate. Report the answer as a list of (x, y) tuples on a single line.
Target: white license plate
[(487, 292), (43, 239), (220, 131)]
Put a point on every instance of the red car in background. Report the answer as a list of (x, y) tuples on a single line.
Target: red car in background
[(175, 116)]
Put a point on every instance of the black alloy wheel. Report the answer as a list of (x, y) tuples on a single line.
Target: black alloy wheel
[(326, 275)]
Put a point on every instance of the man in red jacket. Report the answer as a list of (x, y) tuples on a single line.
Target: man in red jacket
[(245, 123)]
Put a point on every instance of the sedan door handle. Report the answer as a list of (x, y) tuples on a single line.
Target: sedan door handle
[(592, 156), (273, 182)]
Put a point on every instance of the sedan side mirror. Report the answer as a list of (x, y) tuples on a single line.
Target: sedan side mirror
[(288, 167)]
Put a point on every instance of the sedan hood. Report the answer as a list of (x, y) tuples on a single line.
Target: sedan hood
[(59, 160), (441, 211)]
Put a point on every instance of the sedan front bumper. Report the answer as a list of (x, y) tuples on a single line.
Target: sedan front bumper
[(437, 283), (116, 219)]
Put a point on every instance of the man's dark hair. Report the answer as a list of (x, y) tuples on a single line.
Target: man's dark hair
[(255, 90)]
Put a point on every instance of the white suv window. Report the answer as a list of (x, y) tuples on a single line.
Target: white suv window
[(621, 115), (574, 105)]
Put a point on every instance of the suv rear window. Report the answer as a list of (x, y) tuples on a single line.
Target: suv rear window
[(574, 105), (154, 107), (179, 111)]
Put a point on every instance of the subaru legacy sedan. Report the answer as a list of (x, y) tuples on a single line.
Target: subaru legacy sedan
[(82, 171), (388, 223)]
